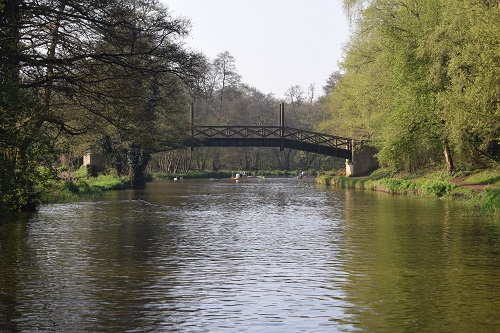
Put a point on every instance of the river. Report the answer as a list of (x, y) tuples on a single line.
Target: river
[(267, 255)]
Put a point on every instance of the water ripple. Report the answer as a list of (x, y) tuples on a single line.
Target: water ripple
[(272, 255)]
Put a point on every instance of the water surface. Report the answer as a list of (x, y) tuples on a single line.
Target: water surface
[(272, 255)]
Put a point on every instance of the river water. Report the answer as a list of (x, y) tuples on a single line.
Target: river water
[(267, 255)]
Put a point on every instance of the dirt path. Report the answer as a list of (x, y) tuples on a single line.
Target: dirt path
[(479, 187)]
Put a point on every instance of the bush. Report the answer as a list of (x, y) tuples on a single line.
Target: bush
[(81, 172), (57, 190), (435, 187), (439, 185), (105, 182), (491, 200)]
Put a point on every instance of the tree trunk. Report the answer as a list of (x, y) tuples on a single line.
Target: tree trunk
[(137, 161), (449, 160)]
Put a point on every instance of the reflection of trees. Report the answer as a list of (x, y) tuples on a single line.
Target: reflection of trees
[(13, 252), (126, 246), (71, 266), (417, 266)]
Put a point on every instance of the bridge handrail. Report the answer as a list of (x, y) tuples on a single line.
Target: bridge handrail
[(272, 132)]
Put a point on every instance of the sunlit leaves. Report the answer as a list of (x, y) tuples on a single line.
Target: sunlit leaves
[(419, 76)]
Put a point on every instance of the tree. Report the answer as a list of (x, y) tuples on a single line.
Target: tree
[(90, 67), (471, 100), (226, 74), (22, 143), (331, 82), (219, 80), (413, 73)]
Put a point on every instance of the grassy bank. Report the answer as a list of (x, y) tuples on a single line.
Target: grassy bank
[(57, 191), (54, 189), (479, 188)]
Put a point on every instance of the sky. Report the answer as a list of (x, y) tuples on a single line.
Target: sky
[(276, 44)]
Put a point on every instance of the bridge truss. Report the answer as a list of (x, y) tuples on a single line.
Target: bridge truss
[(272, 136)]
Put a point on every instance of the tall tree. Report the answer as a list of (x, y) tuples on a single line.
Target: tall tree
[(469, 60), (413, 71), (83, 63)]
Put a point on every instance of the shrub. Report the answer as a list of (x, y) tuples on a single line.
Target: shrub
[(81, 172), (439, 187), (104, 183), (397, 185), (491, 200)]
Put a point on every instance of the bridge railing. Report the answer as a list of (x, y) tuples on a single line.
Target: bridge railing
[(271, 132)]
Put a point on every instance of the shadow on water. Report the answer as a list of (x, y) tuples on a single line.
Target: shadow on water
[(276, 255)]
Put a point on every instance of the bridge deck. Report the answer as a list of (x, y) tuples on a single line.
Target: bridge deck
[(272, 136)]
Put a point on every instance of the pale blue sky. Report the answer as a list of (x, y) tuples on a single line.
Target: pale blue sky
[(276, 43)]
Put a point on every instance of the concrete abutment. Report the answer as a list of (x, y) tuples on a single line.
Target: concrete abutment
[(363, 160)]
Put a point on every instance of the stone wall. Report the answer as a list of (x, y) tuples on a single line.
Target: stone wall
[(363, 160), (94, 161)]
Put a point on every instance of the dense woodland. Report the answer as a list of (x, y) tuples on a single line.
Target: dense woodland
[(420, 81)]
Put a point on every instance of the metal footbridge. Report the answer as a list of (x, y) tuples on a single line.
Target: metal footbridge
[(271, 136)]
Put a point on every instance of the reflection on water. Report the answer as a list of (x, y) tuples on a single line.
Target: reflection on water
[(273, 255), (422, 266)]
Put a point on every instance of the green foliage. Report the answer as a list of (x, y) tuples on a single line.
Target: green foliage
[(396, 185), (435, 185), (275, 173), (381, 173), (109, 68), (490, 176), (81, 172), (420, 76), (57, 190), (491, 200), (105, 182), (439, 188), (61, 191)]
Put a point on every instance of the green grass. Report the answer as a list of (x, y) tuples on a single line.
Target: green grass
[(490, 176), (397, 185), (58, 191), (491, 201), (106, 182), (430, 185)]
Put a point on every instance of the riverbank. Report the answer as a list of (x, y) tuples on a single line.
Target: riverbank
[(59, 190), (479, 188)]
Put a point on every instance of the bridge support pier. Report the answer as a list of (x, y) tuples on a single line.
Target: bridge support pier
[(349, 168), (94, 161), (363, 160)]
